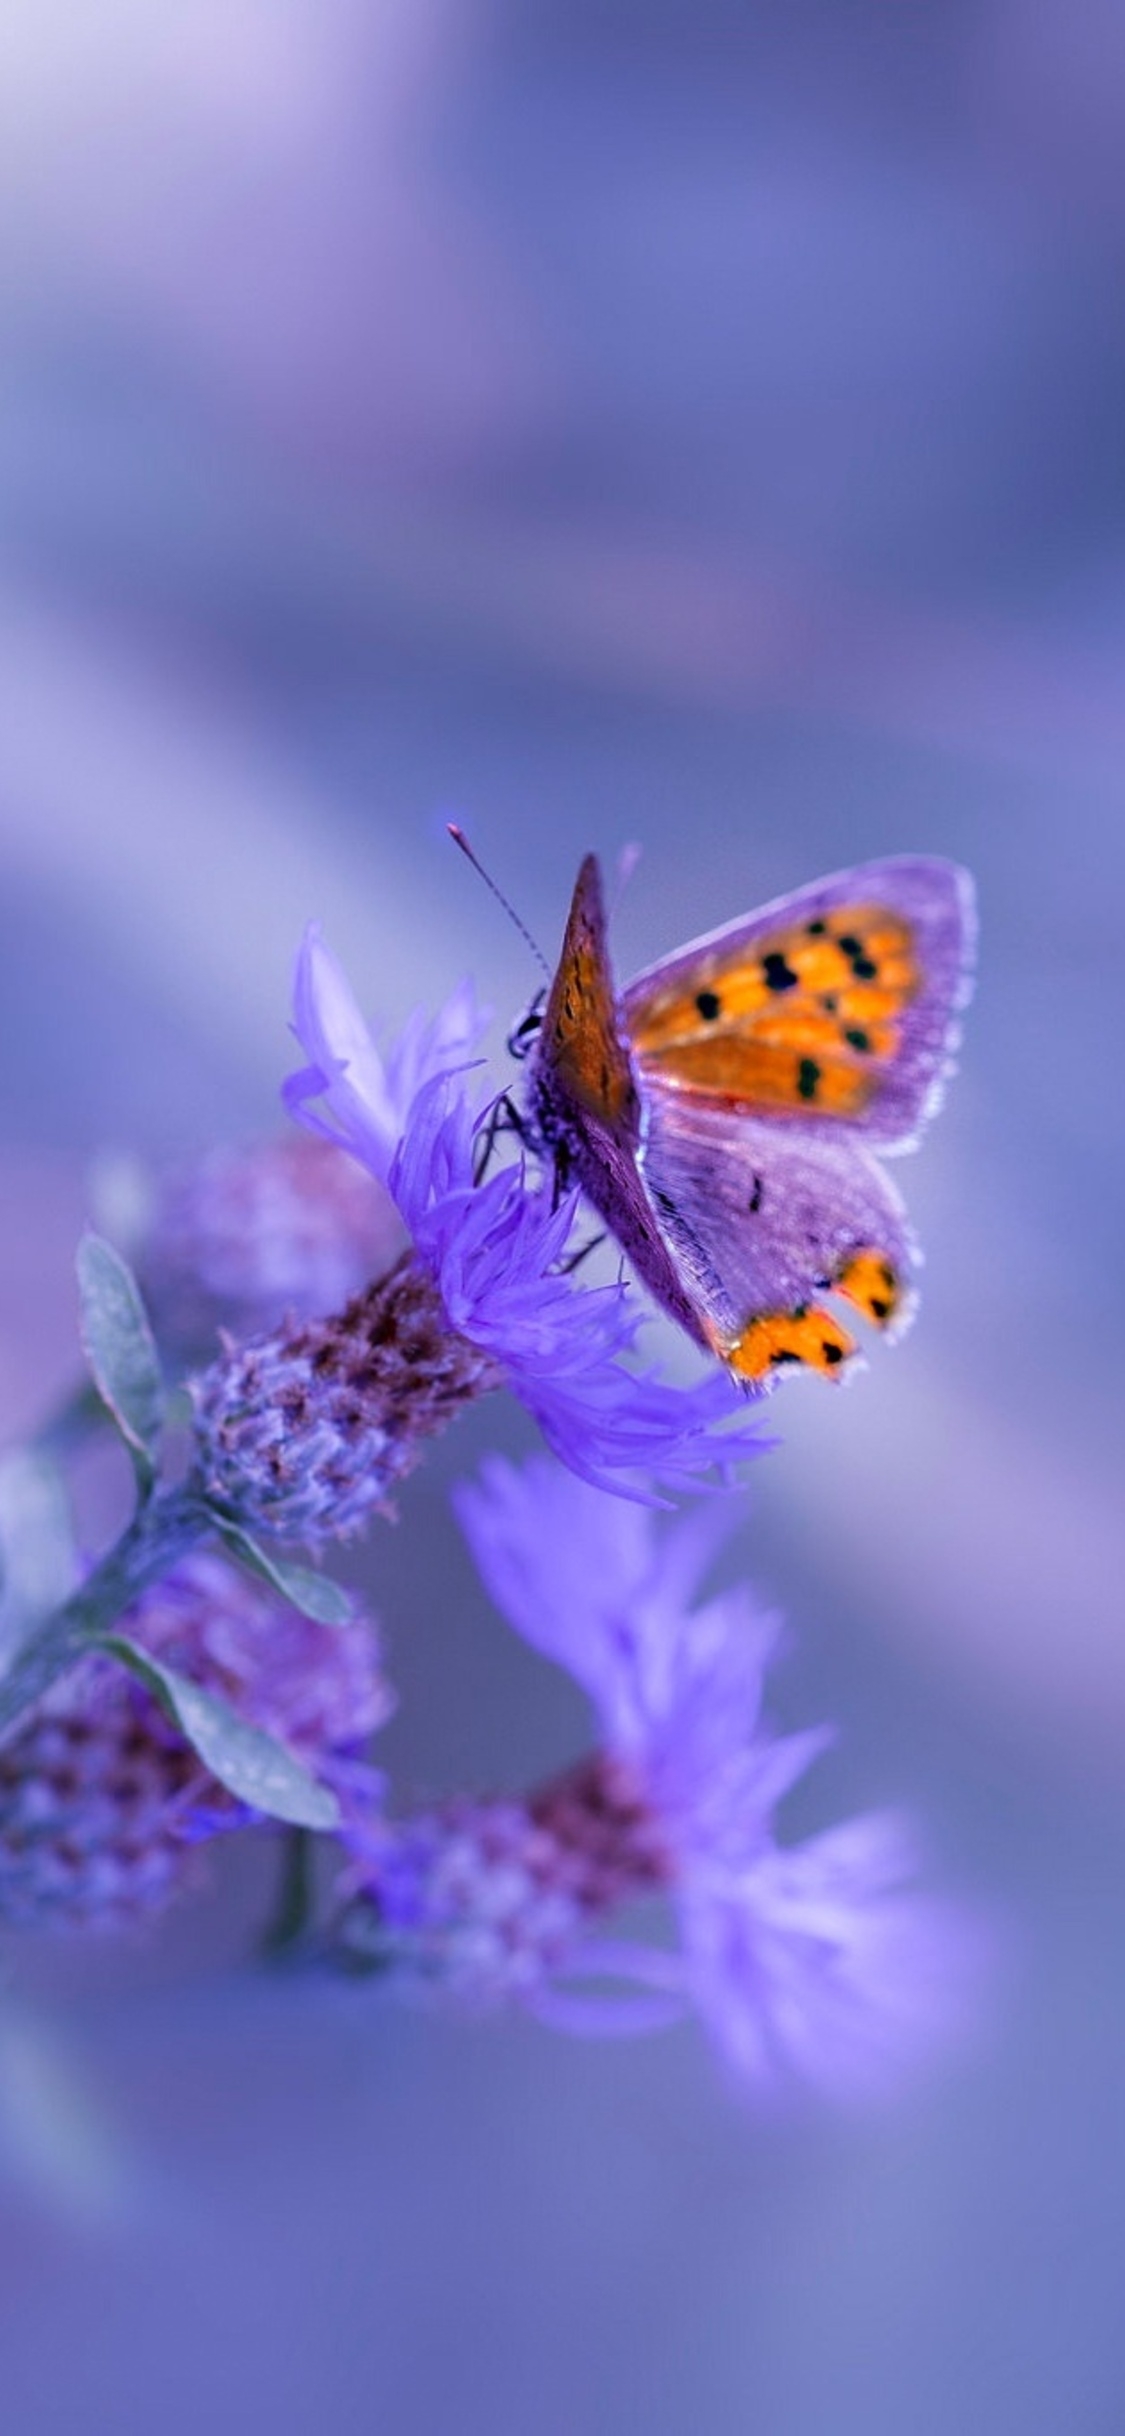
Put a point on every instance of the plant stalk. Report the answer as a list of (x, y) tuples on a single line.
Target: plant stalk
[(160, 1533)]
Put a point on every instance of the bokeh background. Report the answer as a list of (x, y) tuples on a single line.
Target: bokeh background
[(701, 425)]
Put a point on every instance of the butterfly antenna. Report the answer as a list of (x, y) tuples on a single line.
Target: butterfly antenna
[(459, 839)]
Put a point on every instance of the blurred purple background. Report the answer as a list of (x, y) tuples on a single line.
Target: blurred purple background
[(698, 425)]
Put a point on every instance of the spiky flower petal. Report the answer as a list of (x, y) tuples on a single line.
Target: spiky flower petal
[(351, 1092)]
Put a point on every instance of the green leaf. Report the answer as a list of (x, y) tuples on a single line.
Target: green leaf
[(312, 1594), (118, 1344), (250, 1763)]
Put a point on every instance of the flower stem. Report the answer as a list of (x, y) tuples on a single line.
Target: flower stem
[(294, 1905), (160, 1533)]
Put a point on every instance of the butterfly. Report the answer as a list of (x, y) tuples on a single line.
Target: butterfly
[(722, 1113)]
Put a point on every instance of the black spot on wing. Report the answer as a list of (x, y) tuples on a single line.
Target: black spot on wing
[(710, 1005), (777, 973), (861, 963), (808, 1078)]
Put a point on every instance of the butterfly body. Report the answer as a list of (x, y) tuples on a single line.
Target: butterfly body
[(722, 1114)]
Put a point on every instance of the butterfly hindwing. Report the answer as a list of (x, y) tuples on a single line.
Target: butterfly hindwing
[(762, 1221), (834, 1007)]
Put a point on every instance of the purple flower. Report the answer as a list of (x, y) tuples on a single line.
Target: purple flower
[(351, 1092), (813, 1961), (495, 1249), (307, 1432), (821, 1960), (102, 1802)]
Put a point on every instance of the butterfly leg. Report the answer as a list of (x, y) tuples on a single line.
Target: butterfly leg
[(574, 1260), (562, 1172), (503, 1117)]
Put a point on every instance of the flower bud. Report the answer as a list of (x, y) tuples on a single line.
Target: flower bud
[(306, 1433)]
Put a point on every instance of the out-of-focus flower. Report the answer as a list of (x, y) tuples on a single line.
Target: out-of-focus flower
[(472, 1896), (815, 1961), (102, 1801), (307, 1432), (246, 1238), (490, 1900)]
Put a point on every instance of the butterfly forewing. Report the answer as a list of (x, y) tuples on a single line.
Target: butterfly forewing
[(587, 1105), (833, 1005), (581, 1044)]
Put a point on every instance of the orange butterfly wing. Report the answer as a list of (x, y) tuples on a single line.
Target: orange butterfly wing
[(580, 1037), (587, 1105), (803, 1018), (720, 1113)]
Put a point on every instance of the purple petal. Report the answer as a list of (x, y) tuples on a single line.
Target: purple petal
[(367, 1098), (820, 1964)]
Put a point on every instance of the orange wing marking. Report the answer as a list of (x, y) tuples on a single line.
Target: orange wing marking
[(810, 1335), (868, 1280), (804, 1021)]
